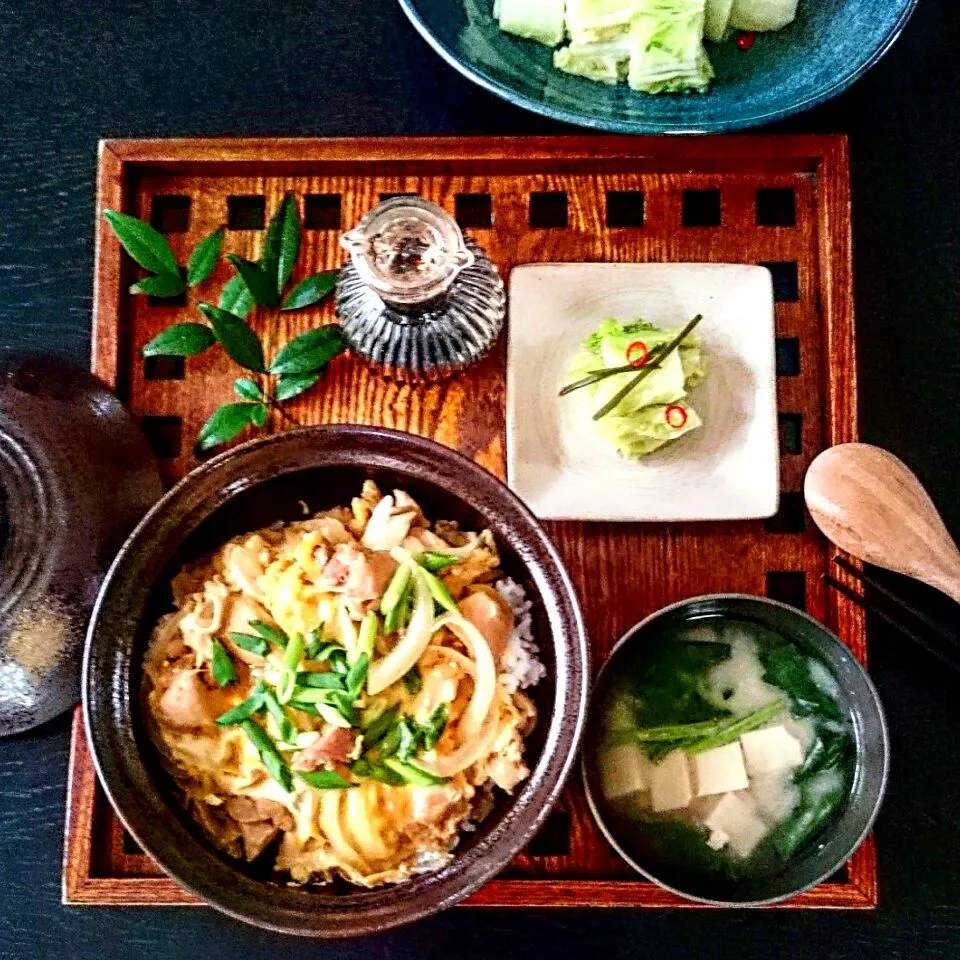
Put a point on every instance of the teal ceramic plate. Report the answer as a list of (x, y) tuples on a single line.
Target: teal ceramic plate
[(830, 45)]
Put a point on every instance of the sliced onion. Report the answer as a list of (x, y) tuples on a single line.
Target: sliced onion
[(469, 752), (331, 804), (409, 648), (485, 681), (360, 808)]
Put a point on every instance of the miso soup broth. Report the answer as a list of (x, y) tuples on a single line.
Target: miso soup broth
[(721, 747)]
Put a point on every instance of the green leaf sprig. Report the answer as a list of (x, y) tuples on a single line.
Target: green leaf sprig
[(295, 368)]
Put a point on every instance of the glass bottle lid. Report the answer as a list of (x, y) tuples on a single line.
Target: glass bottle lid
[(408, 250)]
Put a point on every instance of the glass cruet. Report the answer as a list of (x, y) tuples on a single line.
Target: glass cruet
[(417, 297)]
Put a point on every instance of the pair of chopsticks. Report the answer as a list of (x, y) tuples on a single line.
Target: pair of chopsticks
[(936, 639)]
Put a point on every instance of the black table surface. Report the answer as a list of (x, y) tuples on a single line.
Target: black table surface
[(72, 73)]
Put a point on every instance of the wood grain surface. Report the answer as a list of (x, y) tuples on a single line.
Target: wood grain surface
[(779, 201), (74, 73)]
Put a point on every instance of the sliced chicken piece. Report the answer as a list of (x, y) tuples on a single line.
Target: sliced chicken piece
[(336, 745), (360, 575), (184, 704), (429, 804), (257, 837), (491, 615)]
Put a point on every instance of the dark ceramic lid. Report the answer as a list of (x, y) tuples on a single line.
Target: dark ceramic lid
[(75, 476)]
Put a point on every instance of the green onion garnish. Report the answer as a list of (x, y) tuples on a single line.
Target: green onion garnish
[(412, 774), (269, 754), (432, 730), (221, 666), (435, 562), (286, 727), (440, 593), (320, 681), (379, 727), (357, 676), (243, 711), (273, 634), (324, 780), (413, 681), (250, 643)]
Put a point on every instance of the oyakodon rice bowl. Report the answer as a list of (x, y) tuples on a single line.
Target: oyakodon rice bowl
[(348, 685), (259, 486)]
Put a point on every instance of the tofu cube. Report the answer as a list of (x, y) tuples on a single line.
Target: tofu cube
[(738, 818), (720, 770), (624, 770), (670, 787), (770, 749), (718, 839)]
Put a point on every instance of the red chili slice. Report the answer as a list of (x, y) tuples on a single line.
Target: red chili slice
[(676, 417), (746, 40), (638, 346)]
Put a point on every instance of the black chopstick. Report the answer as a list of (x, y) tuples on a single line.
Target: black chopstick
[(878, 609)]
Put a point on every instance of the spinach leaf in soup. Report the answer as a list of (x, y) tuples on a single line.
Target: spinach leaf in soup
[(788, 668), (669, 687)]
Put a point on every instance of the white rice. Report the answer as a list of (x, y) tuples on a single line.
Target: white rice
[(520, 665)]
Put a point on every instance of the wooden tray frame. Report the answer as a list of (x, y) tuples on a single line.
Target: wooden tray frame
[(101, 866)]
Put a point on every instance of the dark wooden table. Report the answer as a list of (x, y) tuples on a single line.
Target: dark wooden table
[(73, 73)]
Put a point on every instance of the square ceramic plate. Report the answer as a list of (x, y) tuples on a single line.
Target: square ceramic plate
[(727, 469)]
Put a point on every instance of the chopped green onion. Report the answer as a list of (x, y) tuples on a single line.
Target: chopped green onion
[(342, 701), (243, 711), (413, 681), (311, 694), (367, 637), (435, 562), (273, 634), (379, 727), (398, 586), (315, 643), (432, 730), (338, 660), (320, 681), (440, 593), (221, 666), (250, 643), (377, 771), (332, 715), (294, 651), (286, 727), (357, 676), (269, 754), (412, 774), (401, 741), (303, 707), (324, 780)]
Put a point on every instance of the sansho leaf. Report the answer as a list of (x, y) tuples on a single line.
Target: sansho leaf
[(309, 352), (159, 285), (226, 423), (293, 384), (180, 340), (282, 244), (259, 280), (204, 257), (236, 336), (236, 298), (247, 388), (145, 245), (310, 290)]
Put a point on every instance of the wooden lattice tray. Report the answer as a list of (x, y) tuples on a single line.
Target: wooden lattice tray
[(779, 201)]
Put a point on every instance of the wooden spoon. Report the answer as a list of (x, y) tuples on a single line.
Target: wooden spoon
[(871, 504)]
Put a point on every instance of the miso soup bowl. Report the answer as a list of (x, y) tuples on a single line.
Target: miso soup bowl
[(827, 853), (253, 486)]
